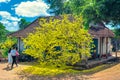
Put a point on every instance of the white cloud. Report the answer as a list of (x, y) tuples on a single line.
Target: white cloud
[(32, 9), (12, 26), (4, 1), (10, 22), (6, 15)]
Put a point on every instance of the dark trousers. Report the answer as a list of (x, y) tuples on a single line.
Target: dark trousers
[(14, 61)]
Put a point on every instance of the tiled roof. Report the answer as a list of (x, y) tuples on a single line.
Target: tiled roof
[(100, 31), (96, 31), (24, 32), (30, 28)]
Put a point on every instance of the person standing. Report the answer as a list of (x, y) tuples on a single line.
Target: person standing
[(13, 54), (17, 55), (9, 58)]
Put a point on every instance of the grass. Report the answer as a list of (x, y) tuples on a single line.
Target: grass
[(38, 70), (47, 71), (95, 69)]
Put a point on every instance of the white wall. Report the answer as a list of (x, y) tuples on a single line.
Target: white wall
[(20, 45), (98, 45), (104, 46), (109, 45)]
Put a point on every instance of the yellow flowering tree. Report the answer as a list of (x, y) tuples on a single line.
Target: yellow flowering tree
[(58, 41), (7, 44)]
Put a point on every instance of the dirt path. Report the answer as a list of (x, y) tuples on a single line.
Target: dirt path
[(6, 73), (112, 73)]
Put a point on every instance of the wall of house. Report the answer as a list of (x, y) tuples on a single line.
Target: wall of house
[(98, 45), (109, 45), (20, 45), (104, 45)]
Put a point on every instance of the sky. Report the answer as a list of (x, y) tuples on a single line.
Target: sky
[(11, 11)]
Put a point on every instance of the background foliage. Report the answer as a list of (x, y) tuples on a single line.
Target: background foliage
[(7, 44), (23, 23), (91, 10), (3, 33)]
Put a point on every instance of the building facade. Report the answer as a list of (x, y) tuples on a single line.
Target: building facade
[(101, 37)]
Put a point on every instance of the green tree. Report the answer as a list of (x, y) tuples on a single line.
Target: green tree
[(117, 32), (59, 7), (23, 23), (85, 8), (91, 10), (3, 33), (7, 44), (102, 10), (59, 41)]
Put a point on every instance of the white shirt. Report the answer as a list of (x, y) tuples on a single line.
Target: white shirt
[(13, 52)]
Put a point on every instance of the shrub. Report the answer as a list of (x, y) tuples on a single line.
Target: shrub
[(59, 41)]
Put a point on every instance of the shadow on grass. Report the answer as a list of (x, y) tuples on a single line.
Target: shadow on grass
[(80, 75), (99, 68)]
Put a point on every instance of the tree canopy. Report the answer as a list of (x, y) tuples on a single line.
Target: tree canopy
[(91, 10), (5, 42), (23, 23), (117, 32), (59, 41), (3, 32)]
